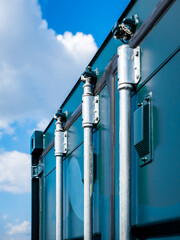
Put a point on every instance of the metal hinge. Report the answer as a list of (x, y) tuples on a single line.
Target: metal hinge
[(65, 142), (96, 109), (90, 110), (61, 145), (128, 65), (37, 170)]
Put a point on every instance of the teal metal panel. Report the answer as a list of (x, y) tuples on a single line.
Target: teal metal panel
[(134, 164), (74, 100), (97, 184), (42, 207), (106, 55), (142, 9), (162, 41), (157, 192), (73, 194), (50, 207), (49, 161), (102, 146), (75, 135), (166, 238)]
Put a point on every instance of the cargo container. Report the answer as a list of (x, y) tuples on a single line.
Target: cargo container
[(107, 166)]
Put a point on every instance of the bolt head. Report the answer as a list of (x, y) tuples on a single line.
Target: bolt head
[(137, 76), (147, 98), (137, 54)]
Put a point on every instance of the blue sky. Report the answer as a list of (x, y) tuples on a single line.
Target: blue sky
[(40, 41)]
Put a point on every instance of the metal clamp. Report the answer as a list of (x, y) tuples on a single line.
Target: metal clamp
[(36, 171), (126, 29), (91, 75)]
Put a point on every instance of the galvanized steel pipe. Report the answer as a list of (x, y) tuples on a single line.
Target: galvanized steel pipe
[(59, 179), (125, 163), (59, 197), (128, 76), (88, 159), (88, 182)]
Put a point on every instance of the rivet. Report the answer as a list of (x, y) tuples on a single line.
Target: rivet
[(144, 159), (147, 98), (137, 54)]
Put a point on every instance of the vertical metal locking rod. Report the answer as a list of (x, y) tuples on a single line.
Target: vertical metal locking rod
[(59, 152), (128, 76), (88, 162), (88, 122), (125, 162)]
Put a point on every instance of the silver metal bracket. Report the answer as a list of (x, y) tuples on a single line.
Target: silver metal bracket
[(37, 170), (128, 65), (90, 110)]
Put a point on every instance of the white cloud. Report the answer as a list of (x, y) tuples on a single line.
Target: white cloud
[(37, 67), (78, 45), (5, 216), (15, 169), (42, 124), (21, 230), (17, 220)]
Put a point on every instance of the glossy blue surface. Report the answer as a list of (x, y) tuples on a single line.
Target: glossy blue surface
[(73, 206), (75, 187), (49, 161), (50, 207), (75, 135), (157, 194)]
